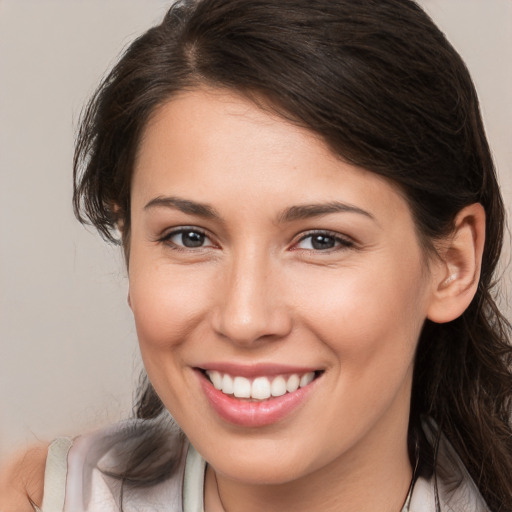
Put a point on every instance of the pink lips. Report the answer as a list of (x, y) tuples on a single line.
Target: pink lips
[(253, 413)]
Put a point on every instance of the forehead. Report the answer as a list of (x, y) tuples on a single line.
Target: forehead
[(205, 121), (219, 146)]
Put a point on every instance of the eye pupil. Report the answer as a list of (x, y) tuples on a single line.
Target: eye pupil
[(320, 242), (192, 239)]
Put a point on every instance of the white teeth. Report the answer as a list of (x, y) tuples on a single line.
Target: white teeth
[(227, 384), (216, 379), (242, 387), (306, 379), (278, 387), (293, 383), (261, 388)]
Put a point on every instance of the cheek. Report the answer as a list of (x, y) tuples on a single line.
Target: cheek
[(167, 303), (371, 314)]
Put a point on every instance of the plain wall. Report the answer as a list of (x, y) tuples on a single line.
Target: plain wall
[(68, 351)]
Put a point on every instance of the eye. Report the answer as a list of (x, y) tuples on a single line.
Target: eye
[(189, 238), (323, 241)]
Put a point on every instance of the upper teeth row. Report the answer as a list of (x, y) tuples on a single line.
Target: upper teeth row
[(261, 387)]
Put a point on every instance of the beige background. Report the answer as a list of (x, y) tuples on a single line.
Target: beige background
[(68, 353)]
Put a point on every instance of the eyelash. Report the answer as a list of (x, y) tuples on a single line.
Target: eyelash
[(343, 243)]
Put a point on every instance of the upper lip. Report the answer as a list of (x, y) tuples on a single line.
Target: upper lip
[(257, 369)]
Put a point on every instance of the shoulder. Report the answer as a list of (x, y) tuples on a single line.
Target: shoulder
[(22, 479), (135, 461), (449, 488)]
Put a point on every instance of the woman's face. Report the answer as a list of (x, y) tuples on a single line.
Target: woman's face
[(260, 261)]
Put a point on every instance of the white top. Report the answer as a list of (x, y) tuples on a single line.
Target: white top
[(74, 483)]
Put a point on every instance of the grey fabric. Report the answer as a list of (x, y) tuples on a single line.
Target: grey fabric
[(455, 488), (55, 475), (74, 482), (193, 483)]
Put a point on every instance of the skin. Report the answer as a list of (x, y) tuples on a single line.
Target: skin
[(258, 292), (22, 478)]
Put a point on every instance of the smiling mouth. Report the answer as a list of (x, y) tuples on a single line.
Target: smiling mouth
[(261, 387)]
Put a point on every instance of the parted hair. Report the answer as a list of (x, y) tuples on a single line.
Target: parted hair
[(382, 86)]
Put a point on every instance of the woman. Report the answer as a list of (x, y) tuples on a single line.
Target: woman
[(311, 223)]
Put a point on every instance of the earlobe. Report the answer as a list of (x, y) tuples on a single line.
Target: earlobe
[(456, 280)]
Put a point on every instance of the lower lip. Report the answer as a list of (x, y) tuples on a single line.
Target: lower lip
[(254, 414)]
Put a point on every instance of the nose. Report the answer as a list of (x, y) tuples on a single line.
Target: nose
[(251, 304)]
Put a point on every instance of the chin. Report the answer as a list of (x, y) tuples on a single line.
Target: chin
[(266, 472)]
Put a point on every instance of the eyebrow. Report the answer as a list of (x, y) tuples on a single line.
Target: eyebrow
[(185, 206), (291, 214), (307, 211)]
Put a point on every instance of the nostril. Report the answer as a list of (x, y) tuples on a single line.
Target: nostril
[(249, 306), (256, 326)]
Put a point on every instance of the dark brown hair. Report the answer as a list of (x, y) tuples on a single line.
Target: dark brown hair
[(379, 82)]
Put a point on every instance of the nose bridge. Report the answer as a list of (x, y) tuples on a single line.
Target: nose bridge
[(250, 306)]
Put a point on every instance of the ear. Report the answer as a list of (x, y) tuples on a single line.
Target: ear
[(457, 273), (118, 216)]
